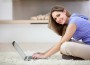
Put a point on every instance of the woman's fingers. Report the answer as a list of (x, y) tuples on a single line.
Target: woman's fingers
[(35, 55), (38, 55)]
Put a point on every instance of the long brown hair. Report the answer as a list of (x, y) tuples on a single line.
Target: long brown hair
[(58, 28)]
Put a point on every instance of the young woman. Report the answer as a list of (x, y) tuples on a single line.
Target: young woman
[(68, 26)]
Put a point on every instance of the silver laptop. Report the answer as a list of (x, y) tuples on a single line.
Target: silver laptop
[(21, 52)]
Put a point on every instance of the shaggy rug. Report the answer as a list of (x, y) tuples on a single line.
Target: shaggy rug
[(13, 58)]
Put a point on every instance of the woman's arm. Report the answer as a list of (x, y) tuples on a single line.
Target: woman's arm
[(67, 36)]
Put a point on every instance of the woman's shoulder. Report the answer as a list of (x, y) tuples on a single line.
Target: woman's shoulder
[(78, 19), (76, 15)]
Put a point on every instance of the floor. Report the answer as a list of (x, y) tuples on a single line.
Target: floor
[(9, 55), (28, 48), (32, 46)]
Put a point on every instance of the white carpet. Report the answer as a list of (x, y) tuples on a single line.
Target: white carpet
[(13, 58)]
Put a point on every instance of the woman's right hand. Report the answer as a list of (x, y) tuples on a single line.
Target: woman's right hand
[(38, 55)]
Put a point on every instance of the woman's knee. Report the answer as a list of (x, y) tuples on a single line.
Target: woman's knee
[(65, 48)]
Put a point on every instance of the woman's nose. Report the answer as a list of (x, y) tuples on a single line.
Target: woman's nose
[(57, 20)]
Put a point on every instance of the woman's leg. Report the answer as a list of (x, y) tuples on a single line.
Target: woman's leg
[(76, 49)]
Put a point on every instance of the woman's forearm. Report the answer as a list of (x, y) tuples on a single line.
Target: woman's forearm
[(53, 50)]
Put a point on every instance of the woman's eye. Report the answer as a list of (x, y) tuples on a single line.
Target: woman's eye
[(58, 15)]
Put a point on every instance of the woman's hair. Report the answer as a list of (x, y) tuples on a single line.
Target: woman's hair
[(58, 28)]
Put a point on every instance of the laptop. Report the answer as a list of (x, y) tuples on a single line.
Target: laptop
[(21, 52)]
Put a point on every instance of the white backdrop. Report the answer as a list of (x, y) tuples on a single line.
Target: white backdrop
[(27, 33), (6, 10)]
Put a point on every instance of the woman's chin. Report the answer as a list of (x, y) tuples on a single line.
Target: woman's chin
[(62, 23)]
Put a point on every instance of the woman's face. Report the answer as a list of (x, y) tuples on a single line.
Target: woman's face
[(59, 17)]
